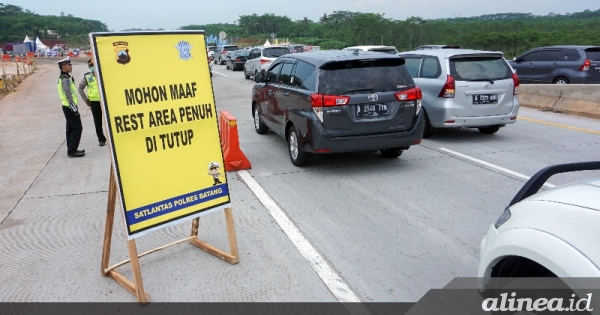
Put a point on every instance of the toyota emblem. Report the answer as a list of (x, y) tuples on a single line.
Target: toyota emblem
[(373, 97)]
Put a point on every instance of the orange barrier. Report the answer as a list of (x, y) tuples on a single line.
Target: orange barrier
[(30, 54), (70, 54), (5, 57), (235, 159), (89, 54), (18, 58)]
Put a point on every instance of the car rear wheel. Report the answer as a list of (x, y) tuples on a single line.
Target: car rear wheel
[(246, 74), (561, 80), (427, 128), (259, 126), (489, 130), (391, 153), (297, 156)]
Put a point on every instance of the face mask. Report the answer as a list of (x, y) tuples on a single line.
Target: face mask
[(92, 69)]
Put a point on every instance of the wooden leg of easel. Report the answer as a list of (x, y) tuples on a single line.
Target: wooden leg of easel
[(137, 273), (136, 288), (108, 227), (233, 257), (231, 236), (195, 224)]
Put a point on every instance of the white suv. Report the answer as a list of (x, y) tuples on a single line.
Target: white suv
[(261, 58), (553, 233)]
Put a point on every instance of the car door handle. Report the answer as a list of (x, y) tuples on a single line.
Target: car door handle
[(531, 65)]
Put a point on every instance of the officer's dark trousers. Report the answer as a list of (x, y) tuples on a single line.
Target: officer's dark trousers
[(97, 113), (74, 129)]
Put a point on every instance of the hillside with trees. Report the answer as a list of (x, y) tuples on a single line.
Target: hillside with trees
[(512, 33), (16, 22)]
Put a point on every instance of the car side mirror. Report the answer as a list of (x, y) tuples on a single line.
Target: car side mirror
[(518, 59), (259, 78)]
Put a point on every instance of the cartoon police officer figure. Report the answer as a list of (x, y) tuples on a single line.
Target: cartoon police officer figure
[(213, 170)]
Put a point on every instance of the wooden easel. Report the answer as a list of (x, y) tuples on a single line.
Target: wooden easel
[(137, 287)]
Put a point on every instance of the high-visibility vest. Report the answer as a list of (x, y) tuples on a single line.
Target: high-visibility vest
[(63, 96), (93, 93)]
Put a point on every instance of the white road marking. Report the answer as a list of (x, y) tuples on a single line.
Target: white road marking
[(332, 280), (490, 165), (220, 74)]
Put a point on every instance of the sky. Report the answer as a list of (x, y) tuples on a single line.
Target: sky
[(172, 14)]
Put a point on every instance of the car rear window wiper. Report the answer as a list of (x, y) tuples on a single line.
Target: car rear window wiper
[(478, 80), (358, 90)]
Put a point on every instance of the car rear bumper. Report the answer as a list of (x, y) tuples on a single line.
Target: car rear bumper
[(404, 139), (444, 118)]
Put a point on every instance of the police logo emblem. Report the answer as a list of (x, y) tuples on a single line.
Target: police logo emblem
[(122, 52), (184, 50)]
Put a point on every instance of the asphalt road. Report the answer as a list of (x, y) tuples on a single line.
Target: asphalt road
[(347, 227)]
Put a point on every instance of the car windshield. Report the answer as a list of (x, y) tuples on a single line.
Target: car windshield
[(592, 53), (479, 68), (364, 76), (276, 52)]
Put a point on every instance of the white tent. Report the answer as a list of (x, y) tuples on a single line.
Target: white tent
[(267, 44), (39, 44), (27, 40)]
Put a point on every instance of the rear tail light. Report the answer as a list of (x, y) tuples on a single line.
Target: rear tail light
[(237, 59), (448, 89), (586, 65), (321, 100), (516, 83), (263, 61), (413, 94), (318, 101)]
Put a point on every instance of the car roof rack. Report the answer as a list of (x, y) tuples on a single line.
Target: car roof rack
[(536, 181)]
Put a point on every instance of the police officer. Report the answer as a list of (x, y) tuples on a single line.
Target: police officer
[(68, 97), (93, 100)]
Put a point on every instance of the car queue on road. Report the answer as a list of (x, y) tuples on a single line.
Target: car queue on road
[(371, 98)]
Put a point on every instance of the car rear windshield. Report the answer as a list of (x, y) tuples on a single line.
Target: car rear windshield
[(212, 48), (276, 52), (593, 53), (364, 76), (243, 53), (230, 48), (479, 69)]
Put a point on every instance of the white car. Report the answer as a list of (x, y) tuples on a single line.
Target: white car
[(260, 58), (383, 49), (553, 233)]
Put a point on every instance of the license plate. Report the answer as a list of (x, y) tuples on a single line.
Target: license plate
[(485, 99), (371, 110)]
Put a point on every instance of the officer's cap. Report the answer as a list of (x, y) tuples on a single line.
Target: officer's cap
[(213, 165), (66, 60)]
